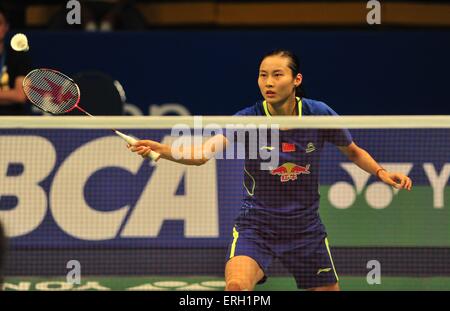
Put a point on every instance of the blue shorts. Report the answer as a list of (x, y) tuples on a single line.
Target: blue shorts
[(307, 257)]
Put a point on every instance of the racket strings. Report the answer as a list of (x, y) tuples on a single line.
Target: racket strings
[(51, 91)]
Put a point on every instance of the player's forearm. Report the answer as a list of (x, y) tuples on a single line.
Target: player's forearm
[(196, 154), (12, 96), (364, 160), (191, 156)]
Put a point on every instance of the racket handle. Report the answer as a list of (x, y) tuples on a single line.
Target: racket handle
[(130, 140)]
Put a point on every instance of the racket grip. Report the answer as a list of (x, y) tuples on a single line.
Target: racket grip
[(131, 140)]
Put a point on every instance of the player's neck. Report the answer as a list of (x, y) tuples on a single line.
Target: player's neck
[(287, 108)]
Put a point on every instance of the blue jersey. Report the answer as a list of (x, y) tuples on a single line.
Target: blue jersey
[(286, 197)]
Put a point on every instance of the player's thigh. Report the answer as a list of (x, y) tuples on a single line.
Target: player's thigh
[(244, 270)]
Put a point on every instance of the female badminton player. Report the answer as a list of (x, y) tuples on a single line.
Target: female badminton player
[(279, 215)]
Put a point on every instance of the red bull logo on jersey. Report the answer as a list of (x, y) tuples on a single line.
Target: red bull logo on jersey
[(290, 171)]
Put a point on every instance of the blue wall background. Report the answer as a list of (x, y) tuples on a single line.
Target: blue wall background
[(214, 72)]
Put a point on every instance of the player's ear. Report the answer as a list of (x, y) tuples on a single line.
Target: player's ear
[(298, 79)]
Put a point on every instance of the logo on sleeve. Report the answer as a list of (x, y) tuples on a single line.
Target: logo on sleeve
[(310, 148), (287, 147)]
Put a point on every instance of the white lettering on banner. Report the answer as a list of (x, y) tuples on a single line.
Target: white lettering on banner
[(131, 110), (21, 286), (91, 286), (198, 207), (165, 109), (54, 286), (38, 156), (68, 206), (437, 182)]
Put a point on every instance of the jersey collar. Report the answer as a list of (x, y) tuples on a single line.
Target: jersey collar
[(299, 105)]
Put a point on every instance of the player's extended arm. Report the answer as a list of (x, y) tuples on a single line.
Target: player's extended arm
[(194, 155), (365, 161), (15, 95)]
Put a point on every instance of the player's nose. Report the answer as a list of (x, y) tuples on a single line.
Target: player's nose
[(269, 82)]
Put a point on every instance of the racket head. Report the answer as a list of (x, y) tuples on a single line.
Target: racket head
[(51, 91)]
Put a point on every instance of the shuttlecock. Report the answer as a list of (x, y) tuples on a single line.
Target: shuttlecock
[(19, 42)]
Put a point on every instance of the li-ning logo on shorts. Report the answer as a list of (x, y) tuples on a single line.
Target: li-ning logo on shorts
[(323, 270), (289, 171)]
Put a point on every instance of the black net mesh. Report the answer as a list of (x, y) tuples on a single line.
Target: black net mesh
[(81, 198)]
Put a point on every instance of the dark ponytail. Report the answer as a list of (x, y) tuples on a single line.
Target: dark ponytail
[(294, 65)]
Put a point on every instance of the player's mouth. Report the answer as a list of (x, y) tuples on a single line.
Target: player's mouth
[(270, 93)]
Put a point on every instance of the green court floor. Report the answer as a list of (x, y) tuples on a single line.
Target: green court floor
[(189, 283)]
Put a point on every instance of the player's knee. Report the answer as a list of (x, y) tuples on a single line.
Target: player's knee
[(236, 284)]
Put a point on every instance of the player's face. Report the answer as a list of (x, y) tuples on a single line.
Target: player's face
[(276, 81), (3, 27)]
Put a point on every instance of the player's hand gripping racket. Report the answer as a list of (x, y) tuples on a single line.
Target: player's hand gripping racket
[(56, 93)]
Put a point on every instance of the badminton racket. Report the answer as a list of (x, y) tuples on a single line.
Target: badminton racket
[(55, 93)]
